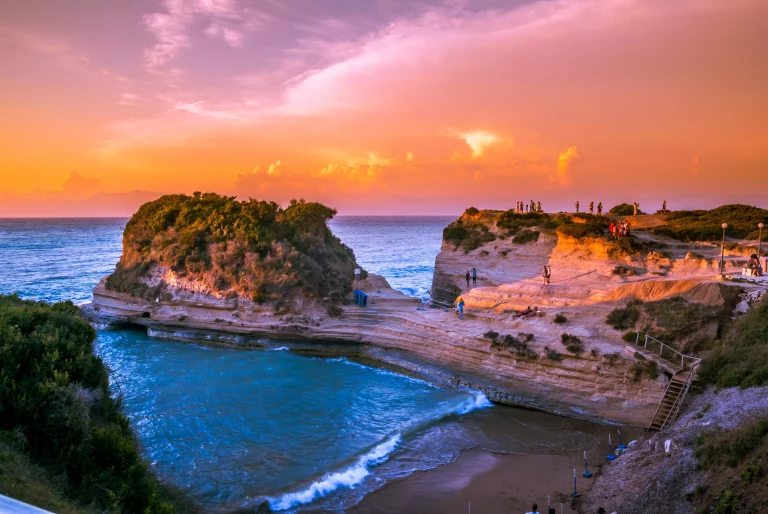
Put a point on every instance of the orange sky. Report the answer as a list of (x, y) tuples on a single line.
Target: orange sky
[(383, 106)]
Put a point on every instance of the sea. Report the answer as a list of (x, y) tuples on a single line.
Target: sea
[(234, 428)]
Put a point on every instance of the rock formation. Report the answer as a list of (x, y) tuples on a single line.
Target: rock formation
[(535, 366)]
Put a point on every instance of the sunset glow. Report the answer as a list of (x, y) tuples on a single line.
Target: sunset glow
[(383, 106)]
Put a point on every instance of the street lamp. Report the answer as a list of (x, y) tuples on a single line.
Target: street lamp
[(759, 242), (722, 252)]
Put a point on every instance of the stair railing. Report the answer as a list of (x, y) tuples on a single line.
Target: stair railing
[(693, 361)]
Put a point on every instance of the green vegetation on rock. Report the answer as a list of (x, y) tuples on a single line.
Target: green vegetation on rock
[(705, 225), (623, 209), (253, 249), (742, 359), (55, 405)]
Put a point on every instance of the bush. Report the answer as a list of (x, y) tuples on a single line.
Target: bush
[(491, 335), (253, 249), (623, 209), (623, 271), (553, 355), (572, 343), (625, 246), (624, 318), (526, 236), (582, 230), (467, 236), (55, 392), (472, 211), (732, 447), (559, 318), (743, 359), (703, 225)]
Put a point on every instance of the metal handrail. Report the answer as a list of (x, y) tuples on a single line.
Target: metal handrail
[(662, 345)]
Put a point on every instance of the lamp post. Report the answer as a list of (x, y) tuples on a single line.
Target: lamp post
[(722, 253), (759, 243)]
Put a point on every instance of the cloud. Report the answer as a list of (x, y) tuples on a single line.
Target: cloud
[(78, 185), (565, 164), (409, 156), (128, 99), (478, 141), (277, 169), (227, 21)]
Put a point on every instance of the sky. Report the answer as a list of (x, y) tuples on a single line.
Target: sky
[(383, 106)]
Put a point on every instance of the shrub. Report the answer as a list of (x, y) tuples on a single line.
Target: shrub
[(526, 236), (525, 336), (703, 225), (623, 209), (491, 335), (623, 271), (624, 246), (572, 343), (55, 392), (582, 230), (467, 236), (472, 211), (732, 447), (553, 355), (559, 318), (624, 318), (743, 360)]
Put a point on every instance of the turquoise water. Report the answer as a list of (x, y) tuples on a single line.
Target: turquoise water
[(234, 428)]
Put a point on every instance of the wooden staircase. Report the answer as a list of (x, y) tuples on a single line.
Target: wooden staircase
[(679, 385)]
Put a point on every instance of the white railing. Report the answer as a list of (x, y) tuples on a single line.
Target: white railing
[(694, 361)]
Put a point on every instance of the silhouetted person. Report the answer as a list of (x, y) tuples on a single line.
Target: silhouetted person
[(467, 278), (600, 209), (591, 207), (538, 207), (577, 206), (664, 206), (474, 277), (635, 207)]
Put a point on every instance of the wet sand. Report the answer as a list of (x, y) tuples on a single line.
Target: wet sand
[(482, 482)]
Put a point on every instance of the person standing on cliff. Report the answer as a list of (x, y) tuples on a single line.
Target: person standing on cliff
[(474, 277), (467, 279), (538, 207), (545, 272), (534, 509), (664, 207), (577, 206), (460, 305), (600, 209), (591, 207), (635, 206)]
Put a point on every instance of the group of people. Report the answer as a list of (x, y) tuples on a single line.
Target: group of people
[(619, 230), (547, 274), (471, 274), (532, 206), (527, 313), (591, 207)]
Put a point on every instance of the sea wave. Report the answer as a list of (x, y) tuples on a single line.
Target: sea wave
[(280, 349), (353, 475), (348, 477)]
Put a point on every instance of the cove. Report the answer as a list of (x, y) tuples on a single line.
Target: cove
[(235, 427)]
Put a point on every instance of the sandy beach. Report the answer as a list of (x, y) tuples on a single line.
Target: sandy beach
[(481, 482)]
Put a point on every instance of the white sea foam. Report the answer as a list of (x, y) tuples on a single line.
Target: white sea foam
[(281, 349), (348, 477), (355, 474), (478, 400)]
